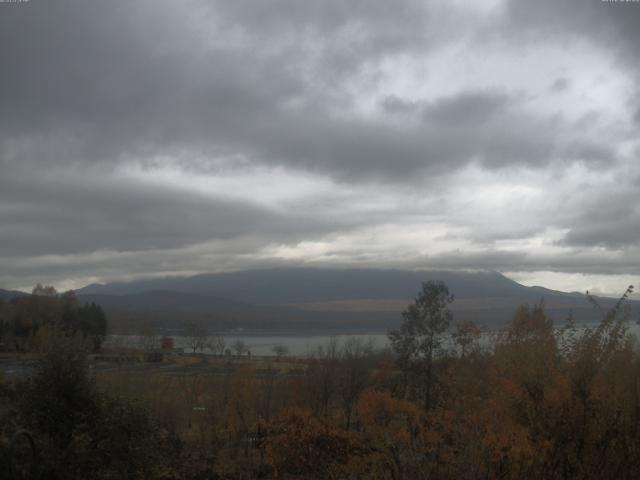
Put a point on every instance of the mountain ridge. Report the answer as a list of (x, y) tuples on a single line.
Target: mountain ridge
[(9, 294), (298, 285), (302, 299)]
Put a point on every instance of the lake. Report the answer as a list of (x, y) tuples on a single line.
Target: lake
[(262, 344), (299, 345)]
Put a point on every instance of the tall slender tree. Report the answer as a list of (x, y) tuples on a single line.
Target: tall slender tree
[(418, 341)]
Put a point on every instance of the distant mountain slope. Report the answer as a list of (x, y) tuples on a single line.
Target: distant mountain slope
[(167, 309), (161, 300), (9, 294), (298, 299), (305, 299), (300, 285)]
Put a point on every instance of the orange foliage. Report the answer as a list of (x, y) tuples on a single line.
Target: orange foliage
[(378, 409), (301, 446), (166, 342)]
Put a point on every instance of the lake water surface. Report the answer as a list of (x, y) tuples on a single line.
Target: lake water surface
[(263, 344), (300, 345)]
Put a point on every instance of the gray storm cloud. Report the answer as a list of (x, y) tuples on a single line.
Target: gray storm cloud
[(356, 100)]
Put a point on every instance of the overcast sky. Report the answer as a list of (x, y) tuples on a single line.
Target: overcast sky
[(155, 137)]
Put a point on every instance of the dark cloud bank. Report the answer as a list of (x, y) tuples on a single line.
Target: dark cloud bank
[(91, 90)]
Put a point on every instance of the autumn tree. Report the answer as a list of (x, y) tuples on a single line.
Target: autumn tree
[(44, 291), (466, 335), (602, 368), (82, 432), (46, 309), (242, 407), (418, 341), (353, 374), (148, 337), (300, 445), (528, 393), (191, 386), (217, 344), (88, 319), (322, 376), (390, 425), (166, 342), (196, 334), (280, 350), (240, 347)]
